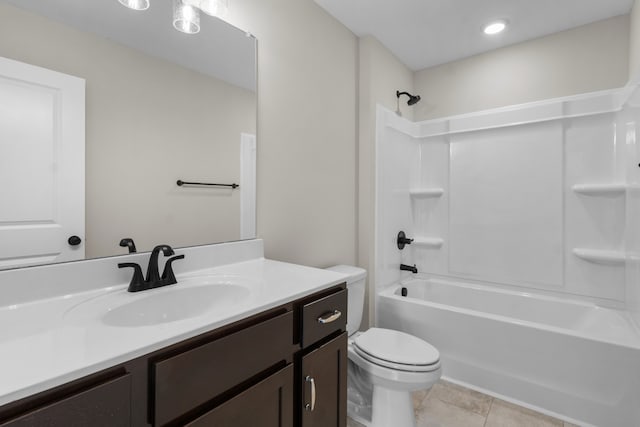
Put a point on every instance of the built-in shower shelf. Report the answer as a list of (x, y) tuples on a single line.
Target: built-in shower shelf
[(601, 257), (426, 192), (429, 242), (600, 189)]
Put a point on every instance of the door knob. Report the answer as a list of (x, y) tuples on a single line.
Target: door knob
[(74, 240)]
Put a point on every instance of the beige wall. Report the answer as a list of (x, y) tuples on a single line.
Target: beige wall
[(381, 74), (148, 123), (634, 43), (306, 130), (585, 59)]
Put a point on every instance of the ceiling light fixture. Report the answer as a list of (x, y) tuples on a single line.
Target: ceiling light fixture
[(218, 8), (186, 18), (186, 13), (495, 27), (135, 4)]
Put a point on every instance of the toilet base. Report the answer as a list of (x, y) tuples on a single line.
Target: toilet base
[(392, 408), (377, 405), (389, 408)]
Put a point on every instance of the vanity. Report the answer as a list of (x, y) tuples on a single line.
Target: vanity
[(272, 354)]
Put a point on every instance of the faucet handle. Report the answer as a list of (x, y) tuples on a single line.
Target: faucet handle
[(137, 281), (402, 240), (168, 277)]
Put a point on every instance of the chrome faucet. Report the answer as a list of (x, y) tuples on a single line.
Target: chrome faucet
[(153, 279)]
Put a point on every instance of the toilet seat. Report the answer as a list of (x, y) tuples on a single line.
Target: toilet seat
[(396, 350)]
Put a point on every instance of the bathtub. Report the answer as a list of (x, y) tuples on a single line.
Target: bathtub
[(569, 359)]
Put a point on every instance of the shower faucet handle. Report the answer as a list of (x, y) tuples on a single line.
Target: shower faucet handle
[(403, 240)]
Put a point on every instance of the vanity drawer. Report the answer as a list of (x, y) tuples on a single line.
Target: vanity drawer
[(324, 316), (267, 404), (104, 405), (184, 382)]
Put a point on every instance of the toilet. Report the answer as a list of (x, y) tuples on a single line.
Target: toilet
[(384, 366)]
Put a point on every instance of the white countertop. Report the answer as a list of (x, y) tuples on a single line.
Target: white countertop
[(42, 347)]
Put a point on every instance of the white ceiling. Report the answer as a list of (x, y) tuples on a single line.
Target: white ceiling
[(219, 50), (424, 33)]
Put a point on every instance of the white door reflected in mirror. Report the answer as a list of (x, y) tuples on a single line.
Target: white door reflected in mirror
[(42, 135)]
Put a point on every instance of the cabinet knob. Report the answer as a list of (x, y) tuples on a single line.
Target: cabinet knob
[(74, 240), (329, 317), (311, 406)]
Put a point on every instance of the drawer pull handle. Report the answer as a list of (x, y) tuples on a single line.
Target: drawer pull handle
[(311, 406), (329, 317)]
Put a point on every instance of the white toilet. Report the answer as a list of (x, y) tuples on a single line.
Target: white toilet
[(385, 366)]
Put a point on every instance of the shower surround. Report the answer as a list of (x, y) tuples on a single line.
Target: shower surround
[(540, 202)]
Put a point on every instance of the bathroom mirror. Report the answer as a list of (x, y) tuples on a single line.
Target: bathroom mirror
[(158, 106)]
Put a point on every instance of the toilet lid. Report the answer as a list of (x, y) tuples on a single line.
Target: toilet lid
[(396, 349)]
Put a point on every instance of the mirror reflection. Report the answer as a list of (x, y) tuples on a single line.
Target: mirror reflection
[(103, 109)]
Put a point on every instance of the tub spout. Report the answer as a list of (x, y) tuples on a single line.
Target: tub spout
[(405, 267)]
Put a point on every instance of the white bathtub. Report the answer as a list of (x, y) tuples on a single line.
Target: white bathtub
[(570, 359)]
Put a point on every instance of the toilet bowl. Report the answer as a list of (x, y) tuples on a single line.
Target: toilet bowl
[(384, 365)]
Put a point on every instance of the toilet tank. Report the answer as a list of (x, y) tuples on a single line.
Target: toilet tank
[(355, 286)]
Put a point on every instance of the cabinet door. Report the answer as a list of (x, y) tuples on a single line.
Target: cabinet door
[(324, 384), (105, 405), (186, 381), (267, 404)]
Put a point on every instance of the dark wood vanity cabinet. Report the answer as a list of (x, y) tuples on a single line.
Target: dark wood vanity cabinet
[(286, 367)]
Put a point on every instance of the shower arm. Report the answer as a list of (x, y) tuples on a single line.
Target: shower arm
[(413, 99)]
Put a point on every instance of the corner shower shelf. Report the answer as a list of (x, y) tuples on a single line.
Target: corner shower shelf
[(429, 242), (426, 192), (600, 189), (600, 256)]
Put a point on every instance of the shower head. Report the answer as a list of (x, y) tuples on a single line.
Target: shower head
[(413, 100)]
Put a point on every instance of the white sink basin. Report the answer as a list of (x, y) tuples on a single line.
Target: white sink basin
[(187, 299), (175, 305)]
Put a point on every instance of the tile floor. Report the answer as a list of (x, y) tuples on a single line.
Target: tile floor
[(449, 405)]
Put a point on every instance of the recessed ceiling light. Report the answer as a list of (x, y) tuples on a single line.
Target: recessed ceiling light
[(495, 27)]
